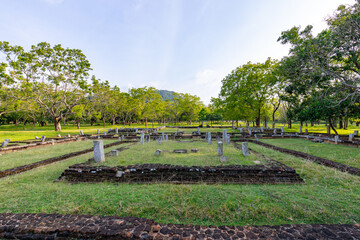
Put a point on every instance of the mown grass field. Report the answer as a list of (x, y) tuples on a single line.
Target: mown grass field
[(18, 133), (328, 196), (338, 153), (24, 157), (206, 156)]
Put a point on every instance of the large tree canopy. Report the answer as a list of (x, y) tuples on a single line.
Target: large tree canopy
[(53, 77)]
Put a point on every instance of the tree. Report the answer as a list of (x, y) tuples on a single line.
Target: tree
[(246, 90), (53, 77)]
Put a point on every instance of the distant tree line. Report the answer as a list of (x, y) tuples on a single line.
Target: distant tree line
[(318, 81), (50, 84)]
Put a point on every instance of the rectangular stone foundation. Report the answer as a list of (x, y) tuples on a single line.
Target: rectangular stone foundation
[(152, 173)]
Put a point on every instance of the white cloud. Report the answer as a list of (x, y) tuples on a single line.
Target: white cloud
[(205, 84)]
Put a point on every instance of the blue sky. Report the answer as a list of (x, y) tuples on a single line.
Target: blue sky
[(184, 46)]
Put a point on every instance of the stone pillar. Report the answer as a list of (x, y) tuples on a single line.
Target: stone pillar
[(209, 137), (306, 131), (81, 132), (162, 136), (228, 138), (43, 139), (282, 130), (300, 129), (119, 139), (68, 135), (336, 139), (98, 131), (99, 155), (166, 137), (159, 140), (250, 132), (262, 129), (115, 152), (5, 143), (224, 135), (328, 129), (245, 149), (116, 130), (52, 142), (142, 138), (241, 130), (274, 131), (220, 151), (104, 133), (356, 133), (351, 137)]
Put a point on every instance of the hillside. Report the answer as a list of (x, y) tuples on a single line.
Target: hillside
[(165, 94)]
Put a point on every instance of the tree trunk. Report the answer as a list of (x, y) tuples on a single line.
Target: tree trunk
[(312, 124), (258, 118), (332, 126), (289, 124), (341, 125), (57, 124), (78, 124)]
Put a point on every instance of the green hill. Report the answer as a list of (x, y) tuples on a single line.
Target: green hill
[(165, 94)]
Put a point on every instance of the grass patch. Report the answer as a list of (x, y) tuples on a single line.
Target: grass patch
[(24, 157), (206, 156), (338, 153), (329, 196)]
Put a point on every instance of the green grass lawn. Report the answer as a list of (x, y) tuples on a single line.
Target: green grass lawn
[(17, 133), (206, 156), (328, 196), (338, 153), (24, 157)]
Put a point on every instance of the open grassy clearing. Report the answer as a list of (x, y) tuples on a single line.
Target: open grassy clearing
[(329, 196), (16, 159), (207, 155), (338, 153)]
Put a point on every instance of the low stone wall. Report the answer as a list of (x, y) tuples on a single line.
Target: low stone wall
[(28, 167), (150, 173), (38, 144), (318, 160), (56, 226)]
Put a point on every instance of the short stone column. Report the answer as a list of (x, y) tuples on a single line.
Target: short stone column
[(163, 136), (250, 132), (351, 137), (336, 139), (306, 131), (98, 131), (274, 131), (99, 154), (166, 137), (4, 143), (328, 129), (116, 130), (81, 132), (224, 135), (115, 152), (209, 137), (43, 139), (282, 129), (142, 138), (300, 129), (245, 149), (228, 138), (220, 151), (356, 133)]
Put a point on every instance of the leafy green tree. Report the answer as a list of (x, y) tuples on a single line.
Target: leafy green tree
[(53, 77)]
